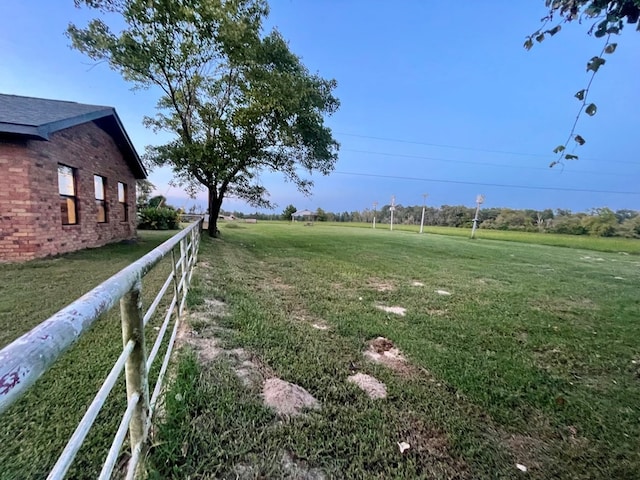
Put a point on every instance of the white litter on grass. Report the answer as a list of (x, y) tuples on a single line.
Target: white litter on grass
[(619, 278), (403, 446), (418, 284), (599, 259), (371, 386), (521, 467), (442, 292), (397, 310), (585, 258), (319, 326)]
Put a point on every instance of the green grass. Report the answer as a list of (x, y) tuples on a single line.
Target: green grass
[(533, 359), (35, 429), (587, 242)]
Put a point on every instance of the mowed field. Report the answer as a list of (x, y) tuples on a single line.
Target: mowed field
[(528, 357)]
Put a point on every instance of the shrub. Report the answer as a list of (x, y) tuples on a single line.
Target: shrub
[(161, 218)]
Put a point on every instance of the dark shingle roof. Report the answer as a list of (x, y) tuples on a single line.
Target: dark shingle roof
[(39, 118)]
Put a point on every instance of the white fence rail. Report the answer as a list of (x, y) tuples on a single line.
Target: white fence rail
[(23, 361)]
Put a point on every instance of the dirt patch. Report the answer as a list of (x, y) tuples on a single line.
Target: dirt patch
[(401, 311), (382, 350), (437, 312), (371, 386), (298, 469), (289, 468), (381, 285), (207, 349), (287, 398), (217, 308), (431, 446), (527, 451)]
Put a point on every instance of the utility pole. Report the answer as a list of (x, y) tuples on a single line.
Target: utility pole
[(479, 201), (392, 209), (424, 205), (375, 204)]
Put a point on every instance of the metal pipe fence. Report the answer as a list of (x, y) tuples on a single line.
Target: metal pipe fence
[(23, 361)]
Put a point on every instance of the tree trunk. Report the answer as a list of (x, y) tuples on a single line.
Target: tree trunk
[(215, 204)]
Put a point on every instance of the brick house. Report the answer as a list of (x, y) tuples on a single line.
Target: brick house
[(67, 177)]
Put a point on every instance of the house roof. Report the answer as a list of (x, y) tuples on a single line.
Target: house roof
[(39, 118), (303, 213)]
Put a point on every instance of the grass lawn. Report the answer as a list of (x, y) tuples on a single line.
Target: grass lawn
[(601, 244), (35, 429), (533, 358)]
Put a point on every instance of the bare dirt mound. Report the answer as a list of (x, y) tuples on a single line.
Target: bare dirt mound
[(382, 350), (287, 398), (371, 386)]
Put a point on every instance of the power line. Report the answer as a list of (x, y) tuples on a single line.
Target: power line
[(471, 149), (469, 162), (501, 185)]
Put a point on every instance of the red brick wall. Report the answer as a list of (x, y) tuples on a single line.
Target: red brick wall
[(30, 219)]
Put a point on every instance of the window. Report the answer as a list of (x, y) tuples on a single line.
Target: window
[(99, 185), (67, 191), (122, 201)]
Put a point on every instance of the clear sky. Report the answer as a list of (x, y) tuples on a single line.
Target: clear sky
[(437, 97)]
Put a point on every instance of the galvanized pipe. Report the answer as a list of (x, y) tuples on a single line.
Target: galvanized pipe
[(163, 329), (114, 451), (24, 360), (75, 442)]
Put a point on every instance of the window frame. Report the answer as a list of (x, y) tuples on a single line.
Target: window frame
[(122, 201), (69, 200), (101, 202)]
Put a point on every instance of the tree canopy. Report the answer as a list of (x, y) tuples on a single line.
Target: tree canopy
[(237, 101), (605, 18)]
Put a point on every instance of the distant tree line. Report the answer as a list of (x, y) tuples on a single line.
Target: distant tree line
[(602, 222)]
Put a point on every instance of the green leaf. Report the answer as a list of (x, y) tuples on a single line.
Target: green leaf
[(580, 95), (610, 48), (569, 156), (558, 149), (554, 30), (528, 43), (591, 109), (595, 63), (600, 32), (540, 38), (580, 140)]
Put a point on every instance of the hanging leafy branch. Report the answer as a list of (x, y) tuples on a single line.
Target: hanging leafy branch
[(608, 18)]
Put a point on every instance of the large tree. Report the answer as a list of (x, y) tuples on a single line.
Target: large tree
[(238, 102)]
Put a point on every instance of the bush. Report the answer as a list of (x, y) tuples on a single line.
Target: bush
[(162, 218)]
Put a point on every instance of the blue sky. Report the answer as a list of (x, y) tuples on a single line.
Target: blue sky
[(437, 97)]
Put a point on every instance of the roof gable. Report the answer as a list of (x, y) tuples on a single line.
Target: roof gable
[(40, 117)]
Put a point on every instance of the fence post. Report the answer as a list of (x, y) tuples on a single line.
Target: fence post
[(136, 366)]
